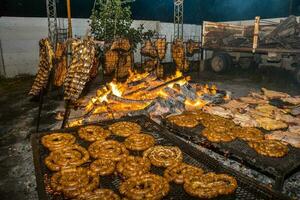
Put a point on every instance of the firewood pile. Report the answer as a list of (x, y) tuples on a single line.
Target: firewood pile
[(146, 94), (83, 54), (45, 67), (285, 34)]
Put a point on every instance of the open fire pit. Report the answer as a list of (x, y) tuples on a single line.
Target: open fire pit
[(145, 94)]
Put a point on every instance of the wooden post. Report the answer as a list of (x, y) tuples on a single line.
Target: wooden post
[(69, 19), (256, 34)]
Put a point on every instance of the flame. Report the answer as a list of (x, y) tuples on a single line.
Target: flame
[(194, 105), (162, 94), (134, 76), (227, 97), (213, 89), (135, 88), (115, 89)]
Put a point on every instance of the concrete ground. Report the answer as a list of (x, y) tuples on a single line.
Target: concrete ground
[(18, 117)]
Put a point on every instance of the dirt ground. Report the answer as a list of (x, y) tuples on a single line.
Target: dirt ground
[(18, 115)]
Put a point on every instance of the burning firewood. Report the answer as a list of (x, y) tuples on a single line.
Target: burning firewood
[(111, 61), (45, 66), (61, 68), (161, 47), (149, 50), (83, 52), (178, 55)]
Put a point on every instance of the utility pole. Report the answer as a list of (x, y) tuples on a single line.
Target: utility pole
[(52, 21), (178, 19)]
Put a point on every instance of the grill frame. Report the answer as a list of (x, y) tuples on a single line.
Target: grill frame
[(276, 168), (248, 188)]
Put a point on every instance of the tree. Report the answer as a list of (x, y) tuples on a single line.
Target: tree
[(112, 18)]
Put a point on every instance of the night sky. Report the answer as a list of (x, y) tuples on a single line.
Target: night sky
[(195, 11)]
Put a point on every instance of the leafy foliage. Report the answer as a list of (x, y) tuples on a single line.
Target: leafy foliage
[(113, 19)]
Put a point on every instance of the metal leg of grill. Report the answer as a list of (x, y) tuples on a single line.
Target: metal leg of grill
[(279, 180), (66, 115), (40, 110)]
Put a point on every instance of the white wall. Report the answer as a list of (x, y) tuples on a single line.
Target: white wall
[(20, 36)]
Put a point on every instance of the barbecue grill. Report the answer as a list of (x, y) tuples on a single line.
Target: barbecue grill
[(276, 168), (247, 188)]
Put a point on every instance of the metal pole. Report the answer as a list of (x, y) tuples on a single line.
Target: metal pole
[(69, 19), (67, 114), (40, 110), (2, 59)]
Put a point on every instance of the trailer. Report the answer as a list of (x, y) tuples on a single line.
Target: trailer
[(263, 43)]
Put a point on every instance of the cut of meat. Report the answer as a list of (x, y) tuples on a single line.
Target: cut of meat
[(219, 111), (244, 120), (292, 100), (78, 74), (270, 124), (266, 110), (285, 136), (235, 105), (295, 111), (257, 95), (178, 55), (253, 100), (294, 129), (121, 44), (111, 61), (45, 67), (270, 94), (192, 47), (288, 119), (61, 68), (161, 47), (149, 50)]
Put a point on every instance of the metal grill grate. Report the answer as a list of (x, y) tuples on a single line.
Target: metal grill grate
[(247, 189), (277, 168)]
